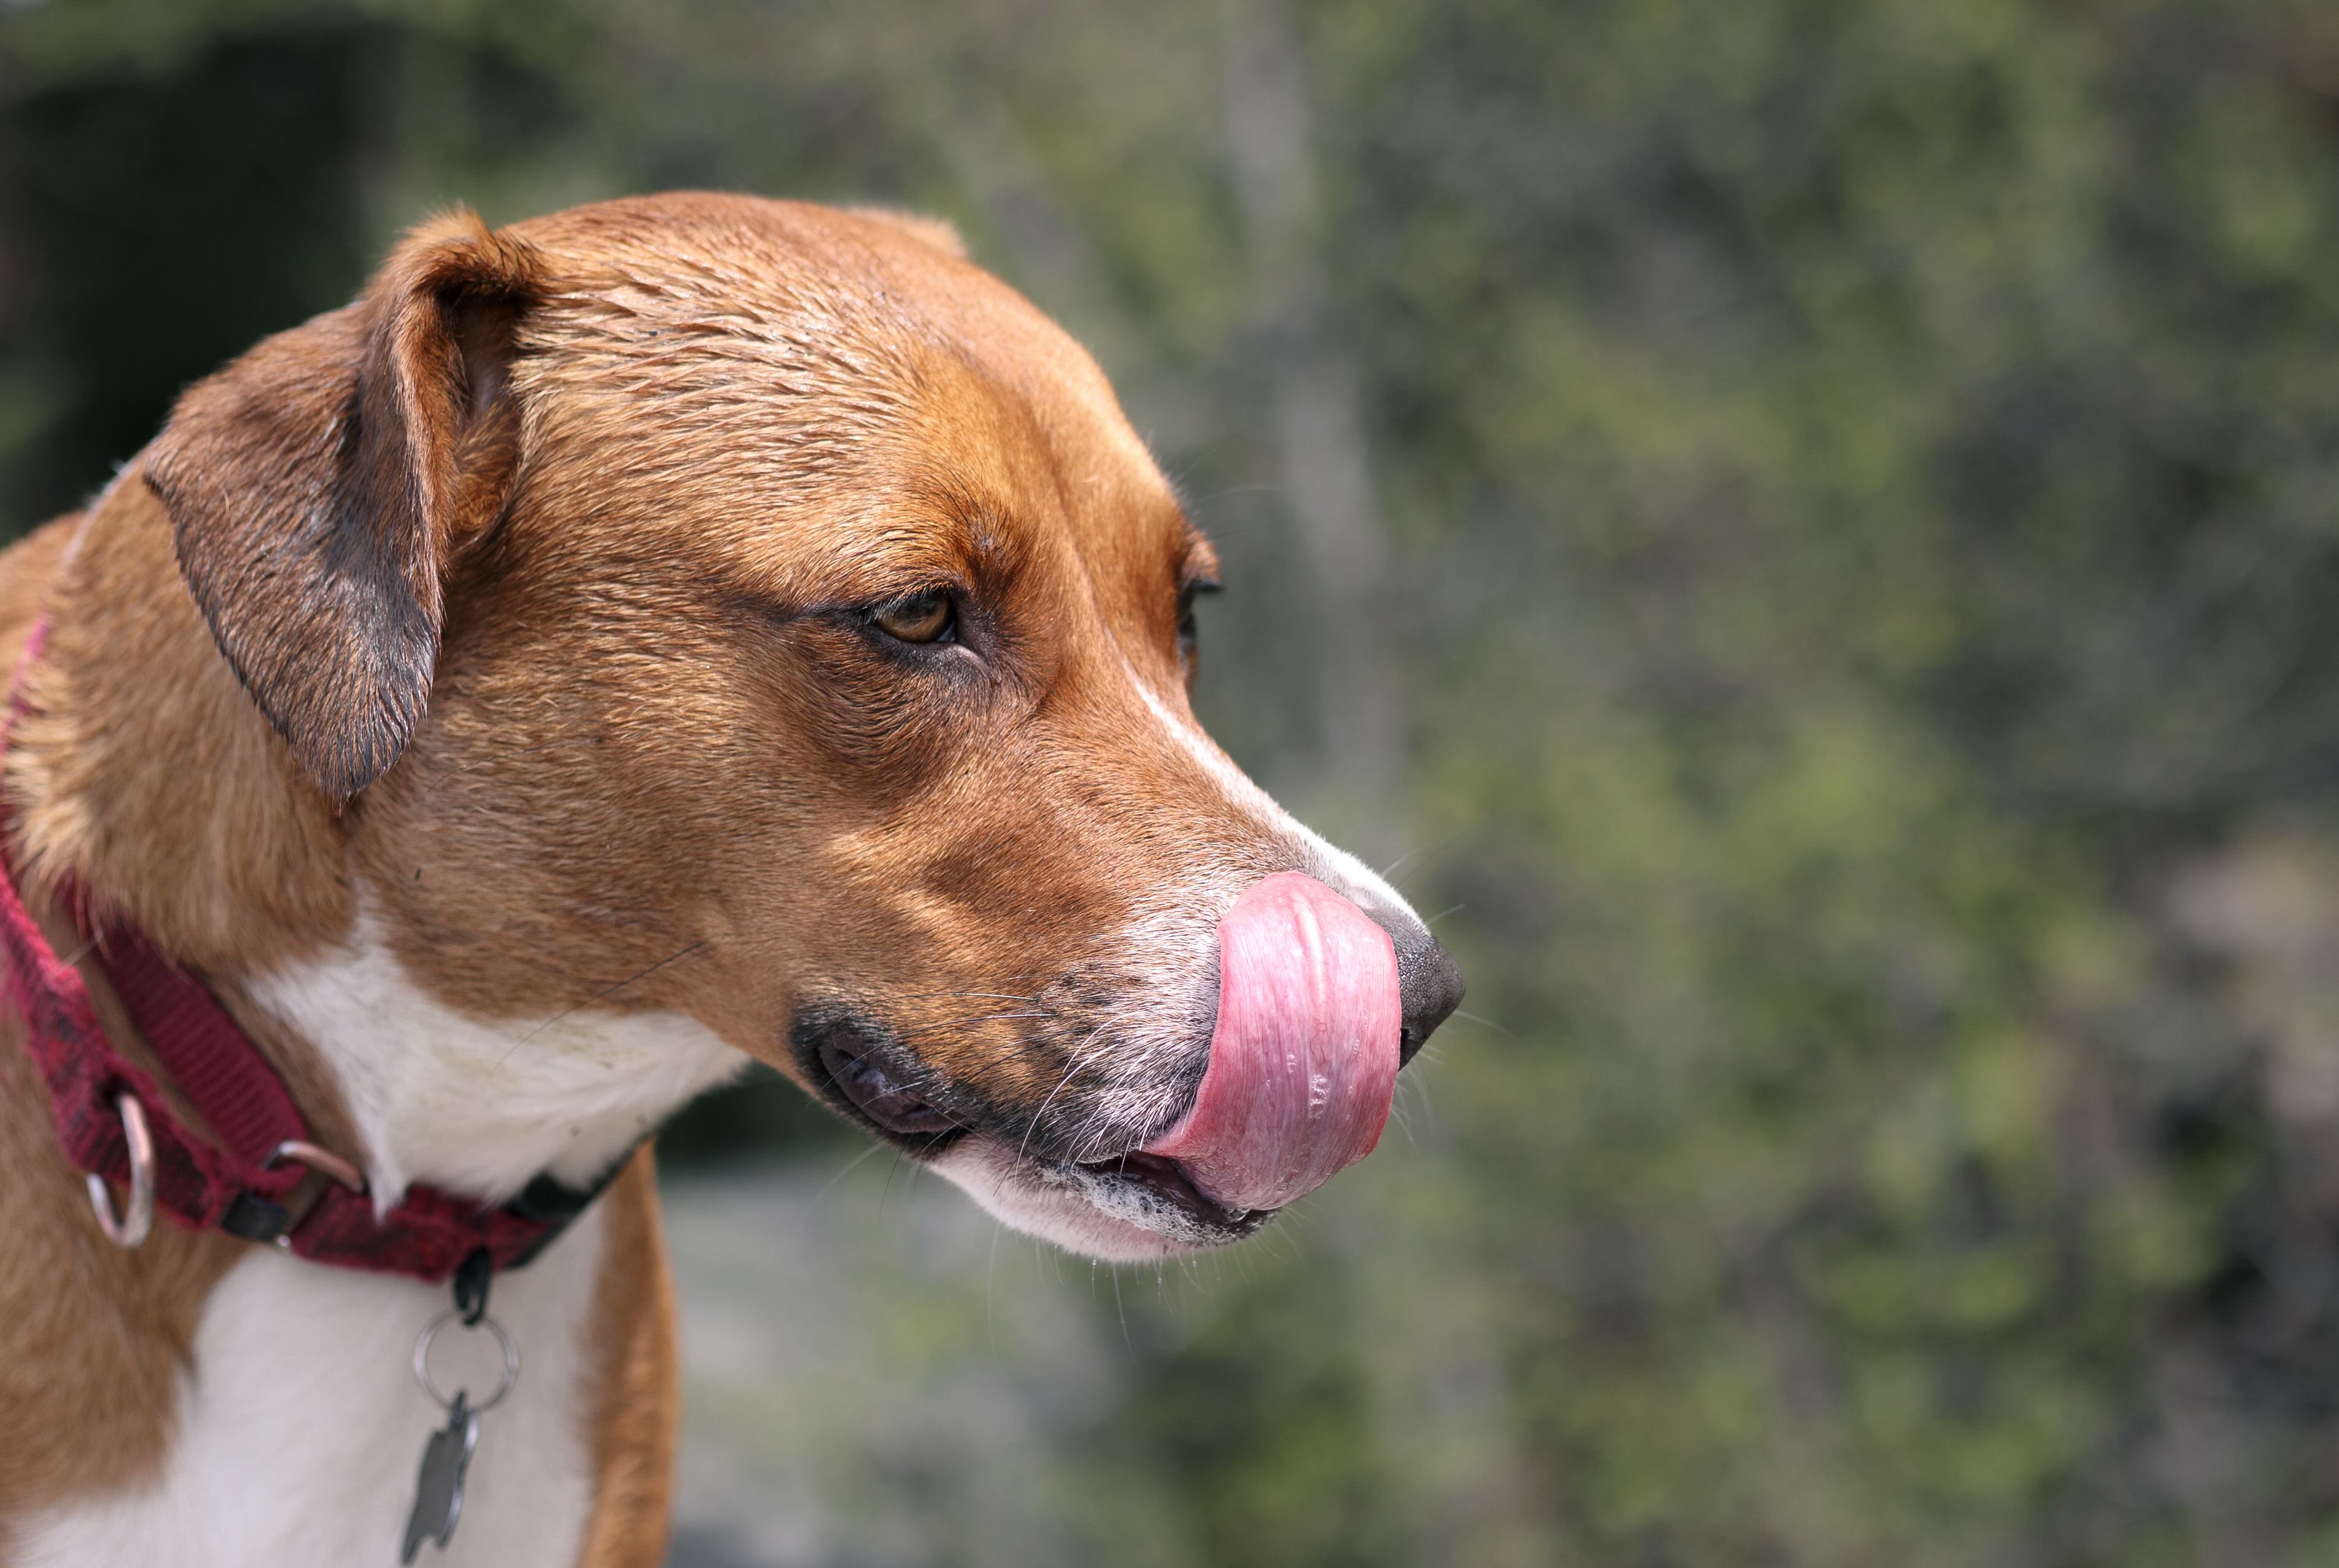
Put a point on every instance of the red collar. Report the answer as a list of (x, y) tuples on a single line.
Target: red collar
[(244, 1180)]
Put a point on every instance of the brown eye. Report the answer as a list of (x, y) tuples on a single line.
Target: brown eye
[(925, 617), (1186, 643)]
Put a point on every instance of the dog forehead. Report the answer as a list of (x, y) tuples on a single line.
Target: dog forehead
[(775, 366)]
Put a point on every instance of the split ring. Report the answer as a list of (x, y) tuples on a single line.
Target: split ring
[(422, 1360)]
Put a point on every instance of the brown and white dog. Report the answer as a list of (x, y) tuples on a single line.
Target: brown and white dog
[(672, 632)]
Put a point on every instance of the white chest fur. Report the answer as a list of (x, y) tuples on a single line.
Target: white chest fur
[(482, 1106), (300, 1428)]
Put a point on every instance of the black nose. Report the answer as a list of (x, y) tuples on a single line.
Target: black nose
[(1430, 987)]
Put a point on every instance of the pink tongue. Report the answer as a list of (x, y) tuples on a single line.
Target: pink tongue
[(1303, 1061)]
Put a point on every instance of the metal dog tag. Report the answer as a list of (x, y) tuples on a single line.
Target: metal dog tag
[(438, 1488)]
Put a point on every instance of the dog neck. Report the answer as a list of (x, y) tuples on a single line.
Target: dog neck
[(144, 775), (476, 1106)]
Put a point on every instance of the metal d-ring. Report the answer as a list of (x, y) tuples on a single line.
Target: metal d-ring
[(324, 1161), (422, 1361), (129, 1230)]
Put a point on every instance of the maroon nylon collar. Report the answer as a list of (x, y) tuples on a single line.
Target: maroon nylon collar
[(234, 1183)]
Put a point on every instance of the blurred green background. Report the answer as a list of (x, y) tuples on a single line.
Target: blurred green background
[(1808, 531)]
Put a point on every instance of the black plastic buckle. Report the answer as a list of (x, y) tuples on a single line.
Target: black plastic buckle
[(546, 1201), (256, 1219)]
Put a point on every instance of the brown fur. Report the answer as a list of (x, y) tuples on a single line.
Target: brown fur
[(530, 593), (636, 1409)]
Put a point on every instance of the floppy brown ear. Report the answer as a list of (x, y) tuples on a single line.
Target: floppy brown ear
[(320, 486)]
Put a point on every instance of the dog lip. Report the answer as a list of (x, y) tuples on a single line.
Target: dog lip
[(875, 1093), (1166, 1178), (855, 1065)]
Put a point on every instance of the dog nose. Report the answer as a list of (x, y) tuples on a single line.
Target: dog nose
[(1429, 987), (1429, 982)]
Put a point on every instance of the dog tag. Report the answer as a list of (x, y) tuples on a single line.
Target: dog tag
[(438, 1489)]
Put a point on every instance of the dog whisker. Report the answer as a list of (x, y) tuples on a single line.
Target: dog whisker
[(1415, 853), (1417, 1086), (1024, 1149), (850, 1167)]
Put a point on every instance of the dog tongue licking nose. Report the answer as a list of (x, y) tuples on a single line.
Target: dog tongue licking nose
[(1304, 1061)]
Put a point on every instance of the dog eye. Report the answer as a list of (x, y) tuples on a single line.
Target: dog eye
[(926, 617), (1187, 594)]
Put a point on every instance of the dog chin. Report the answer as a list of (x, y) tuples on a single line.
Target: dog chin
[(1084, 1209)]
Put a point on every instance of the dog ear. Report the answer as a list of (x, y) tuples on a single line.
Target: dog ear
[(321, 487)]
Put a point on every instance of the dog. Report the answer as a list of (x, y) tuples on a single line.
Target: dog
[(676, 632)]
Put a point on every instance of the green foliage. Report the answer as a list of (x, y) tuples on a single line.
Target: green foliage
[(1858, 497)]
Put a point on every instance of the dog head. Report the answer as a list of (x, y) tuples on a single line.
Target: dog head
[(758, 612)]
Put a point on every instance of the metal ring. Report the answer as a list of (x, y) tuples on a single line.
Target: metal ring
[(129, 1231), (422, 1360), (324, 1161)]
